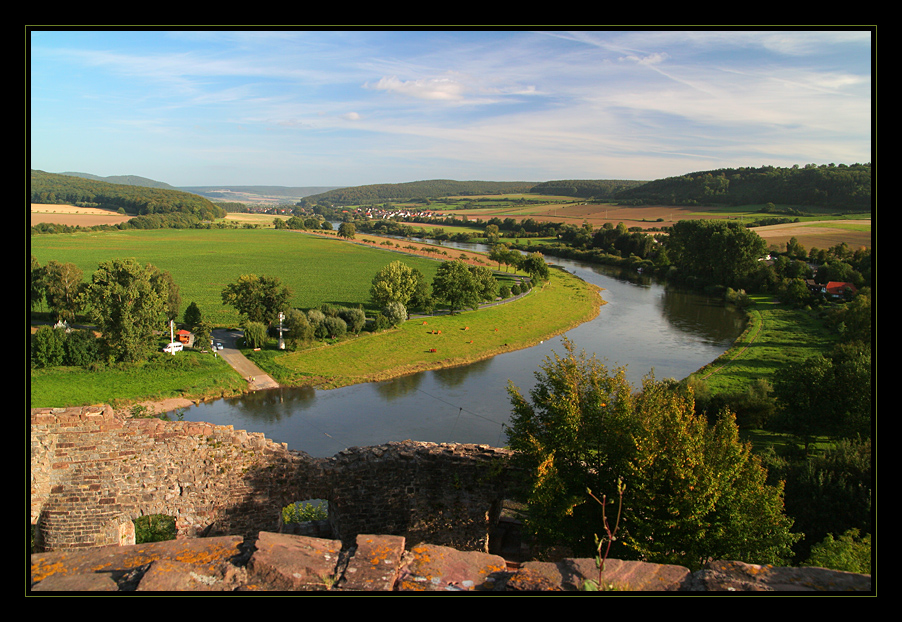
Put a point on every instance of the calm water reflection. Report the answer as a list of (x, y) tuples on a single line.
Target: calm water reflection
[(644, 326)]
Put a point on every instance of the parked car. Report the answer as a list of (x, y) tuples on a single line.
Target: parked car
[(218, 346), (174, 347)]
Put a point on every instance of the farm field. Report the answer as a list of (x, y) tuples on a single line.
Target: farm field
[(72, 215), (203, 261), (819, 234)]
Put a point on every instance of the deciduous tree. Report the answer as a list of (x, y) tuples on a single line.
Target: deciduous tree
[(455, 286), (257, 298), (693, 491), (718, 252), (128, 303), (535, 266), (62, 286), (395, 282)]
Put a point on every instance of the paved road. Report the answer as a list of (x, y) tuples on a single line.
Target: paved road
[(255, 377)]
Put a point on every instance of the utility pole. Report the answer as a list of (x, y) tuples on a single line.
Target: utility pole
[(281, 341)]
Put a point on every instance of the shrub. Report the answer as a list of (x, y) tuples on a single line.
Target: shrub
[(82, 348), (381, 322), (850, 553), (354, 318), (396, 313), (303, 512), (334, 327), (48, 347), (154, 528)]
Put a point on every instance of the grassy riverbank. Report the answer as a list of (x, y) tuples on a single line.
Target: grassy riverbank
[(775, 336), (189, 375), (563, 302)]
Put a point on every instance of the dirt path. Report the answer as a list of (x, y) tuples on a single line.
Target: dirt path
[(257, 379)]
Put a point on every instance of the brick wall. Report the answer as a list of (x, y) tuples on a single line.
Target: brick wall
[(94, 471)]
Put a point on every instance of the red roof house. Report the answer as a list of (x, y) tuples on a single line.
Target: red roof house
[(838, 289)]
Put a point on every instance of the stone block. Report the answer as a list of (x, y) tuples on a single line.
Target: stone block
[(429, 567), (290, 562), (374, 565), (632, 576)]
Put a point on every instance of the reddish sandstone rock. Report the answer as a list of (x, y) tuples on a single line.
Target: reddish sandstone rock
[(289, 562), (374, 565), (429, 567)]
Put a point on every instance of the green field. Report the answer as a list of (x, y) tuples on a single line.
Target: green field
[(202, 262), (318, 270), (776, 336), (560, 304), (189, 375)]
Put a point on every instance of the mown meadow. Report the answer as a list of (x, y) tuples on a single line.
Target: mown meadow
[(776, 335), (203, 261), (421, 343), (318, 270)]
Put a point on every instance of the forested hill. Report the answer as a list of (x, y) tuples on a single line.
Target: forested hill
[(287, 192), (434, 188), (128, 180), (133, 199), (586, 188), (846, 187)]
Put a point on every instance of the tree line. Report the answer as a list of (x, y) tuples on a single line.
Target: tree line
[(431, 188), (138, 200), (846, 187), (597, 189)]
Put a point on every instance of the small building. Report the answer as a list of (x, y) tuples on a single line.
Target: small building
[(184, 336), (840, 289)]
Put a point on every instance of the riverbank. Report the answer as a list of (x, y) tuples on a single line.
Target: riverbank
[(439, 342)]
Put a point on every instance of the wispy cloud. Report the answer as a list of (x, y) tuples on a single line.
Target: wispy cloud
[(337, 108)]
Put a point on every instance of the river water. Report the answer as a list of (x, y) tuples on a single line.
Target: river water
[(644, 326)]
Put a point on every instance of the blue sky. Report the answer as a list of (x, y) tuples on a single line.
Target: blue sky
[(343, 108)]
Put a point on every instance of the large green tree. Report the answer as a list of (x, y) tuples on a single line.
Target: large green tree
[(827, 394), (62, 289), (129, 304), (395, 282), (455, 286), (534, 265), (257, 298), (693, 491), (719, 252)]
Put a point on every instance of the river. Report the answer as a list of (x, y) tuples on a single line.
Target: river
[(644, 326)]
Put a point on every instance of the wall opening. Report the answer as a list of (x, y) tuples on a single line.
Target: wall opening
[(309, 517), (154, 528)]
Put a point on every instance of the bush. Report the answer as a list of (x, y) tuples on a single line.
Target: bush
[(82, 348), (304, 512), (154, 528), (396, 313), (381, 322), (48, 347), (850, 553), (354, 318), (334, 327)]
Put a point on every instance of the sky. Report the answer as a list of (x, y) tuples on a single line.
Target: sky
[(356, 107)]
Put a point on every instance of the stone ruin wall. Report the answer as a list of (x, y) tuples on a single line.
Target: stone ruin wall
[(93, 472)]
